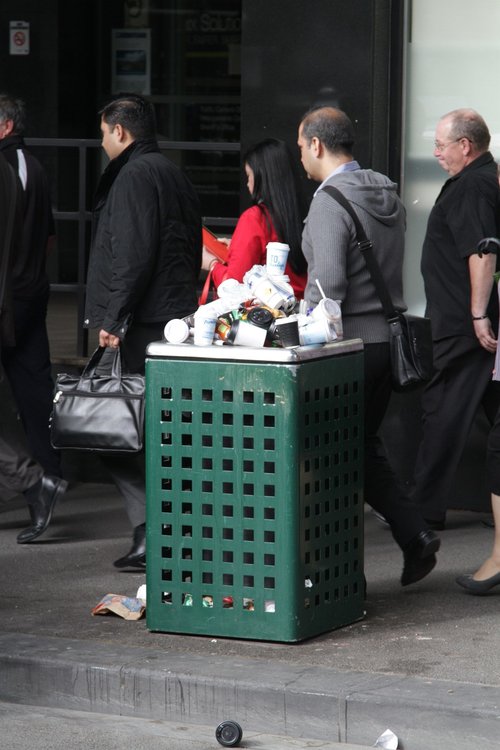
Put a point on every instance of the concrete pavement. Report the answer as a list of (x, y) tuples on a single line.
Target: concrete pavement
[(58, 729), (424, 662)]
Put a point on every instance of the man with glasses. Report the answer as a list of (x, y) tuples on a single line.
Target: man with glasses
[(461, 305)]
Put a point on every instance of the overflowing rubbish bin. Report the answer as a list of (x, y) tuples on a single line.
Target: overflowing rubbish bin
[(254, 489)]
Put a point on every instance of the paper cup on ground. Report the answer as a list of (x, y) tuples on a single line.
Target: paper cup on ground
[(204, 328), (319, 331), (276, 258), (246, 334), (176, 331), (287, 332)]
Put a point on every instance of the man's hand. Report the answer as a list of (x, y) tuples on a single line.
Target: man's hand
[(108, 339), (485, 335)]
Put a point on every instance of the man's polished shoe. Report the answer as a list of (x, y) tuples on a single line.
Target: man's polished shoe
[(478, 588), (42, 500), (136, 558), (419, 557)]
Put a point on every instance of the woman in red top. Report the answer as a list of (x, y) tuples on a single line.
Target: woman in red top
[(276, 216)]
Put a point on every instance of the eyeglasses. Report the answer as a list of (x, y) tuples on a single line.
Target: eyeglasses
[(442, 146)]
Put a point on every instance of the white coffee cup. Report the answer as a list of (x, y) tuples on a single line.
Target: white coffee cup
[(276, 258), (246, 334), (318, 331), (329, 309), (204, 327), (279, 296), (176, 331)]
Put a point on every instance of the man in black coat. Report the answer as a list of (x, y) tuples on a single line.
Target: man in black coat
[(27, 364), (144, 264), (19, 472)]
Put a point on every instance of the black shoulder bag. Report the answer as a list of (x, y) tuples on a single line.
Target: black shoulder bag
[(410, 336)]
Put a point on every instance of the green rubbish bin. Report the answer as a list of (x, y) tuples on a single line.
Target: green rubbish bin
[(254, 489)]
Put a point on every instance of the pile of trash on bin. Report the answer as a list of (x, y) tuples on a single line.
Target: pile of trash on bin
[(260, 311)]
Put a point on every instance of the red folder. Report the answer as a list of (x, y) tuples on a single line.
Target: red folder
[(213, 245)]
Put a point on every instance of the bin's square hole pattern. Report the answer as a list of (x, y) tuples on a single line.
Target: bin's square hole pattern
[(219, 537), (331, 487), (227, 553)]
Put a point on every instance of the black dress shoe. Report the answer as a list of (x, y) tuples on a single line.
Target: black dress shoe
[(419, 557), (41, 505), (478, 588), (136, 558)]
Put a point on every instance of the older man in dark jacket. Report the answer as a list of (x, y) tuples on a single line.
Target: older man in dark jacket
[(144, 264)]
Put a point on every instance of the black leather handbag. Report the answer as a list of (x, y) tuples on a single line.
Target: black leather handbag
[(410, 336), (100, 410)]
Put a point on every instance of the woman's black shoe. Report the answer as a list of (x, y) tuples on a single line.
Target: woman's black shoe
[(419, 557), (478, 588), (136, 558)]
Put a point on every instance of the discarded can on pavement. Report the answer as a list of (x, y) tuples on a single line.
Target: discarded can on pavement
[(229, 733)]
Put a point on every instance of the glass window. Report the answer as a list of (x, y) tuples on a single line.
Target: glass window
[(452, 51), (185, 56)]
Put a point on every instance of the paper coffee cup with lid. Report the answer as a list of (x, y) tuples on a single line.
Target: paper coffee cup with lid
[(276, 258), (176, 331), (205, 321), (319, 331), (243, 333), (329, 309)]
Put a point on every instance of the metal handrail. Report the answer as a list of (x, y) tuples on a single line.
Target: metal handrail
[(83, 216)]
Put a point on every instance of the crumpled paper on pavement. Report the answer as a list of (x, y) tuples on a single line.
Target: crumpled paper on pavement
[(387, 740), (128, 607)]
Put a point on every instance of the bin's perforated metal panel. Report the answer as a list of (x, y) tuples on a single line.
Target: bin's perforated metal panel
[(254, 497)]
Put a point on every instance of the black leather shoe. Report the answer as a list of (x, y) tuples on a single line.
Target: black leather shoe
[(419, 557), (136, 558), (41, 506), (478, 588)]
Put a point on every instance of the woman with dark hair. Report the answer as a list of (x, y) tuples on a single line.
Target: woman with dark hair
[(275, 216)]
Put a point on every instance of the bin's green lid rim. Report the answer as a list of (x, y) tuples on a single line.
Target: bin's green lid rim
[(272, 355)]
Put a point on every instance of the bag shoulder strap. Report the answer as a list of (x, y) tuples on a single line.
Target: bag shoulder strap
[(366, 248)]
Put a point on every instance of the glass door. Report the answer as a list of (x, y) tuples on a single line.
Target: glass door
[(452, 53)]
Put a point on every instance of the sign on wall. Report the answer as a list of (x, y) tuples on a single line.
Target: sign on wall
[(19, 38), (131, 61)]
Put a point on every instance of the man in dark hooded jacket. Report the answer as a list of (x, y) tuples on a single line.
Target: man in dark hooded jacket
[(329, 243), (144, 264)]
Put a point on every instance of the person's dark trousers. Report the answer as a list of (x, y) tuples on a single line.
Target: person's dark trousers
[(461, 384), (383, 492), (126, 470), (28, 370), (18, 471)]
